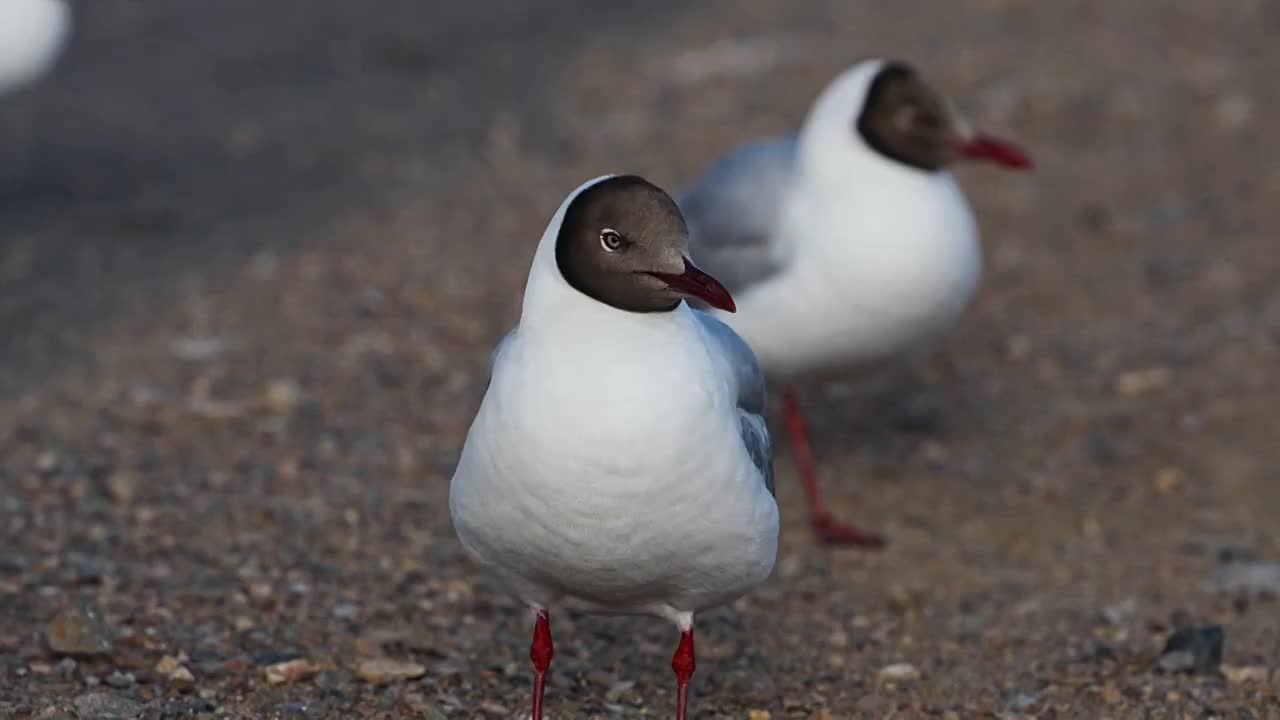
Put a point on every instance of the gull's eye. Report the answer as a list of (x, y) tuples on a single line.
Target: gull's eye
[(611, 240)]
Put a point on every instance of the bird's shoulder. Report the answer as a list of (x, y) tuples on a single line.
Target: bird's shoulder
[(750, 392), (734, 208), (736, 355)]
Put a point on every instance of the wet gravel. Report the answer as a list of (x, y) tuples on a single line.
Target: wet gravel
[(254, 260)]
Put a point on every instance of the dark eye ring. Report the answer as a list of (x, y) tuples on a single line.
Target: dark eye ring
[(611, 240), (929, 121)]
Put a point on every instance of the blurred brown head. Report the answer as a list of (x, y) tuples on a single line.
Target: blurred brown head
[(905, 120), (624, 242)]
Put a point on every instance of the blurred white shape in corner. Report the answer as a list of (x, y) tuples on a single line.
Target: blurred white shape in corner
[(32, 33)]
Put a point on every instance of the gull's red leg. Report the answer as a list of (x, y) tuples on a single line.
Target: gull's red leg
[(682, 663), (826, 527), (540, 653)]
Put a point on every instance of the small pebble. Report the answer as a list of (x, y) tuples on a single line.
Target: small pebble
[(899, 671), (78, 630), (172, 669), (299, 709), (1250, 579), (290, 671), (385, 670), (346, 611), (1017, 347), (1139, 382), (122, 486), (758, 715), (1168, 480), (618, 689), (1121, 613), (282, 396), (47, 462), (167, 665), (1024, 700), (1245, 674), (119, 680), (105, 706), (905, 600), (193, 349), (1234, 111), (272, 657)]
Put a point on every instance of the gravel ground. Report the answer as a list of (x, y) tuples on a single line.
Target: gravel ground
[(254, 259)]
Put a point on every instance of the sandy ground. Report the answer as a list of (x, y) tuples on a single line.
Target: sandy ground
[(253, 260)]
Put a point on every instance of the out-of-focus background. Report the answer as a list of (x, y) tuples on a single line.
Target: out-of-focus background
[(253, 257)]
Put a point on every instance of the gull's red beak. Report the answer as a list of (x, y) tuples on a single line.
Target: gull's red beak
[(987, 148), (695, 283)]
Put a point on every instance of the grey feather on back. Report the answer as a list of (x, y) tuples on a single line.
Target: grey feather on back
[(751, 393), (734, 208), (755, 436)]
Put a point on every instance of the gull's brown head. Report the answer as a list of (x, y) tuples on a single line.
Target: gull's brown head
[(623, 242)]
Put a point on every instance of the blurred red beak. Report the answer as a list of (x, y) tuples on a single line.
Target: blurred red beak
[(987, 148), (695, 283)]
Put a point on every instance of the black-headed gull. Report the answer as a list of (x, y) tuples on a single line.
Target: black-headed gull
[(846, 244), (620, 458), (32, 33)]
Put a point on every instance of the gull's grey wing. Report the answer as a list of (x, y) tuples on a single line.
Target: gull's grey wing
[(734, 207), (750, 387), (755, 436)]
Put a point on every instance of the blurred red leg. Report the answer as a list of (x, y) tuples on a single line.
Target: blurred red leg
[(827, 528), (682, 663)]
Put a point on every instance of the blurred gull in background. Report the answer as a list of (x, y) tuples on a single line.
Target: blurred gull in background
[(32, 34), (848, 244)]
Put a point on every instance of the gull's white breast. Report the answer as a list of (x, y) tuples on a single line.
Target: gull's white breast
[(607, 466), (877, 267)]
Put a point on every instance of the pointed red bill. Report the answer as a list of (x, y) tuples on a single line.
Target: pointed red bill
[(695, 283), (988, 148)]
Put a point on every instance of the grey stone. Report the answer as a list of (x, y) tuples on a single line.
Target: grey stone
[(105, 706), (78, 630), (1251, 579), (1193, 649)]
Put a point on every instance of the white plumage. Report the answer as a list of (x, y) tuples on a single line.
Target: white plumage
[(858, 258), (619, 459)]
